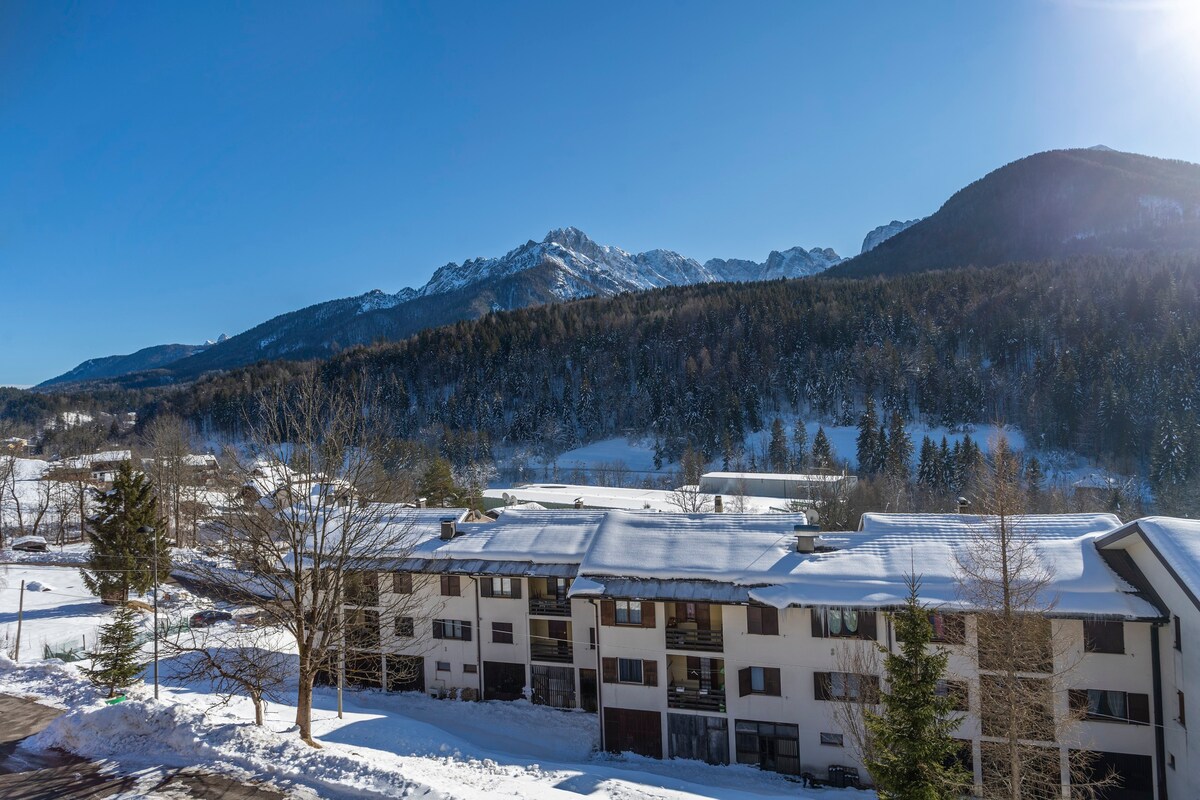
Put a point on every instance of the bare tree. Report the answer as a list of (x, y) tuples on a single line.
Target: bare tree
[(235, 660), (168, 442), (862, 660), (306, 535), (1024, 659), (26, 501)]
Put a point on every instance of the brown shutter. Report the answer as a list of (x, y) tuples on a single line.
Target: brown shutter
[(770, 621), (866, 625), (608, 613), (753, 619), (650, 673), (820, 685), (703, 616), (437, 629), (1077, 699), (818, 623), (516, 587), (648, 615), (771, 681), (608, 670), (485, 587), (744, 682), (1138, 707), (466, 629)]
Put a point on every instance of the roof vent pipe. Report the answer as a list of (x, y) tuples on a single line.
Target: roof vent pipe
[(420, 502), (578, 502), (448, 530), (718, 504), (806, 538)]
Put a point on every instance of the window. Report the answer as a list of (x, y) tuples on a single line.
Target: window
[(773, 746), (443, 666), (362, 629), (502, 633), (1182, 711), (401, 583), (470, 669), (832, 739), (956, 691), (591, 638), (404, 627), (500, 587), (1103, 636), (452, 629), (1178, 635), (450, 586), (948, 628), (845, 686), (362, 588), (759, 680), (1033, 696), (1106, 706), (628, 612), (762, 620), (629, 670), (843, 623)]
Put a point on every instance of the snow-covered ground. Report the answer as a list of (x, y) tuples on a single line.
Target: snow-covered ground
[(395, 745)]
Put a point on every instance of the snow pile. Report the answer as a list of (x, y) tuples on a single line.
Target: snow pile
[(38, 586)]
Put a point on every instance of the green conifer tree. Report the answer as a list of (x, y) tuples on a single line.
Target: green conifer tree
[(115, 662), (437, 483), (777, 450), (822, 453), (899, 449), (122, 555), (912, 743), (799, 446), (867, 442)]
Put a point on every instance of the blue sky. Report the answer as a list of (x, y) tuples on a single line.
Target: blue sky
[(172, 171)]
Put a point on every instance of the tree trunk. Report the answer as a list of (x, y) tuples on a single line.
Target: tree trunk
[(304, 703), (258, 708)]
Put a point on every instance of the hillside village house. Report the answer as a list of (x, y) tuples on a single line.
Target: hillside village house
[(723, 637), (99, 468)]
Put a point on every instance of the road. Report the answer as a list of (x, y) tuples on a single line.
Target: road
[(62, 776)]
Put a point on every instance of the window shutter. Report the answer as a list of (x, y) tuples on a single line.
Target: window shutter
[(437, 629), (743, 682), (1077, 699), (466, 629), (703, 616), (485, 587), (818, 623), (753, 619), (770, 621), (820, 685), (648, 615), (650, 673), (869, 688), (1138, 706), (516, 588), (608, 612), (771, 681), (866, 625), (608, 670)]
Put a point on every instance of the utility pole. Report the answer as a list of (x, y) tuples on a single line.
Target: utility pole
[(20, 615), (150, 530)]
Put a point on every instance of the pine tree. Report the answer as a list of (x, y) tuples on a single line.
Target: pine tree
[(913, 748), (777, 450), (899, 450), (115, 662), (122, 557), (437, 483), (927, 467), (822, 453), (945, 465), (799, 446), (1033, 475), (867, 442)]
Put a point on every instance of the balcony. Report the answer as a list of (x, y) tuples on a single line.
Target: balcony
[(549, 607), (691, 639), (555, 652), (696, 699)]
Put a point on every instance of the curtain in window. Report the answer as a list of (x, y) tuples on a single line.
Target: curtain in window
[(850, 618), (835, 621)]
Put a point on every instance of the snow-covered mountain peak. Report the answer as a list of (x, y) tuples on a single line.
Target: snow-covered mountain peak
[(885, 232)]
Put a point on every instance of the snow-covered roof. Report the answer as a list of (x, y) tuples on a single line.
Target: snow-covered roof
[(203, 460), (865, 568), (565, 494), (774, 476), (106, 457), (1176, 543), (1094, 480), (547, 536)]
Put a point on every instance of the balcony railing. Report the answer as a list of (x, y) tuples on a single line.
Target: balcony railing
[(696, 699), (549, 607), (558, 652), (685, 639)]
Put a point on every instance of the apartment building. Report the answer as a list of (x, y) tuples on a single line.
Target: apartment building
[(736, 638)]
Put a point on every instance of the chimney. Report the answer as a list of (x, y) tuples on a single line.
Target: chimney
[(448, 530), (963, 505), (578, 502), (718, 505), (420, 502), (806, 538)]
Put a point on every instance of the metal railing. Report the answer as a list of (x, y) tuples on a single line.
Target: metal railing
[(696, 699), (558, 652), (549, 607)]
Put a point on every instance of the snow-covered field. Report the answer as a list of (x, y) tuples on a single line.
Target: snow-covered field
[(395, 745)]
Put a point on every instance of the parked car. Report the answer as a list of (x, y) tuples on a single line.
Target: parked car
[(30, 544), (202, 619)]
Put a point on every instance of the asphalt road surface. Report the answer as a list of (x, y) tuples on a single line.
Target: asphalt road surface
[(62, 776)]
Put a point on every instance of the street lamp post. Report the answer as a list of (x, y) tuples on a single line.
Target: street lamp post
[(150, 530)]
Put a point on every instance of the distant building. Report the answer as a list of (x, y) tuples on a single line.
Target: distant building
[(99, 467), (781, 485)]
